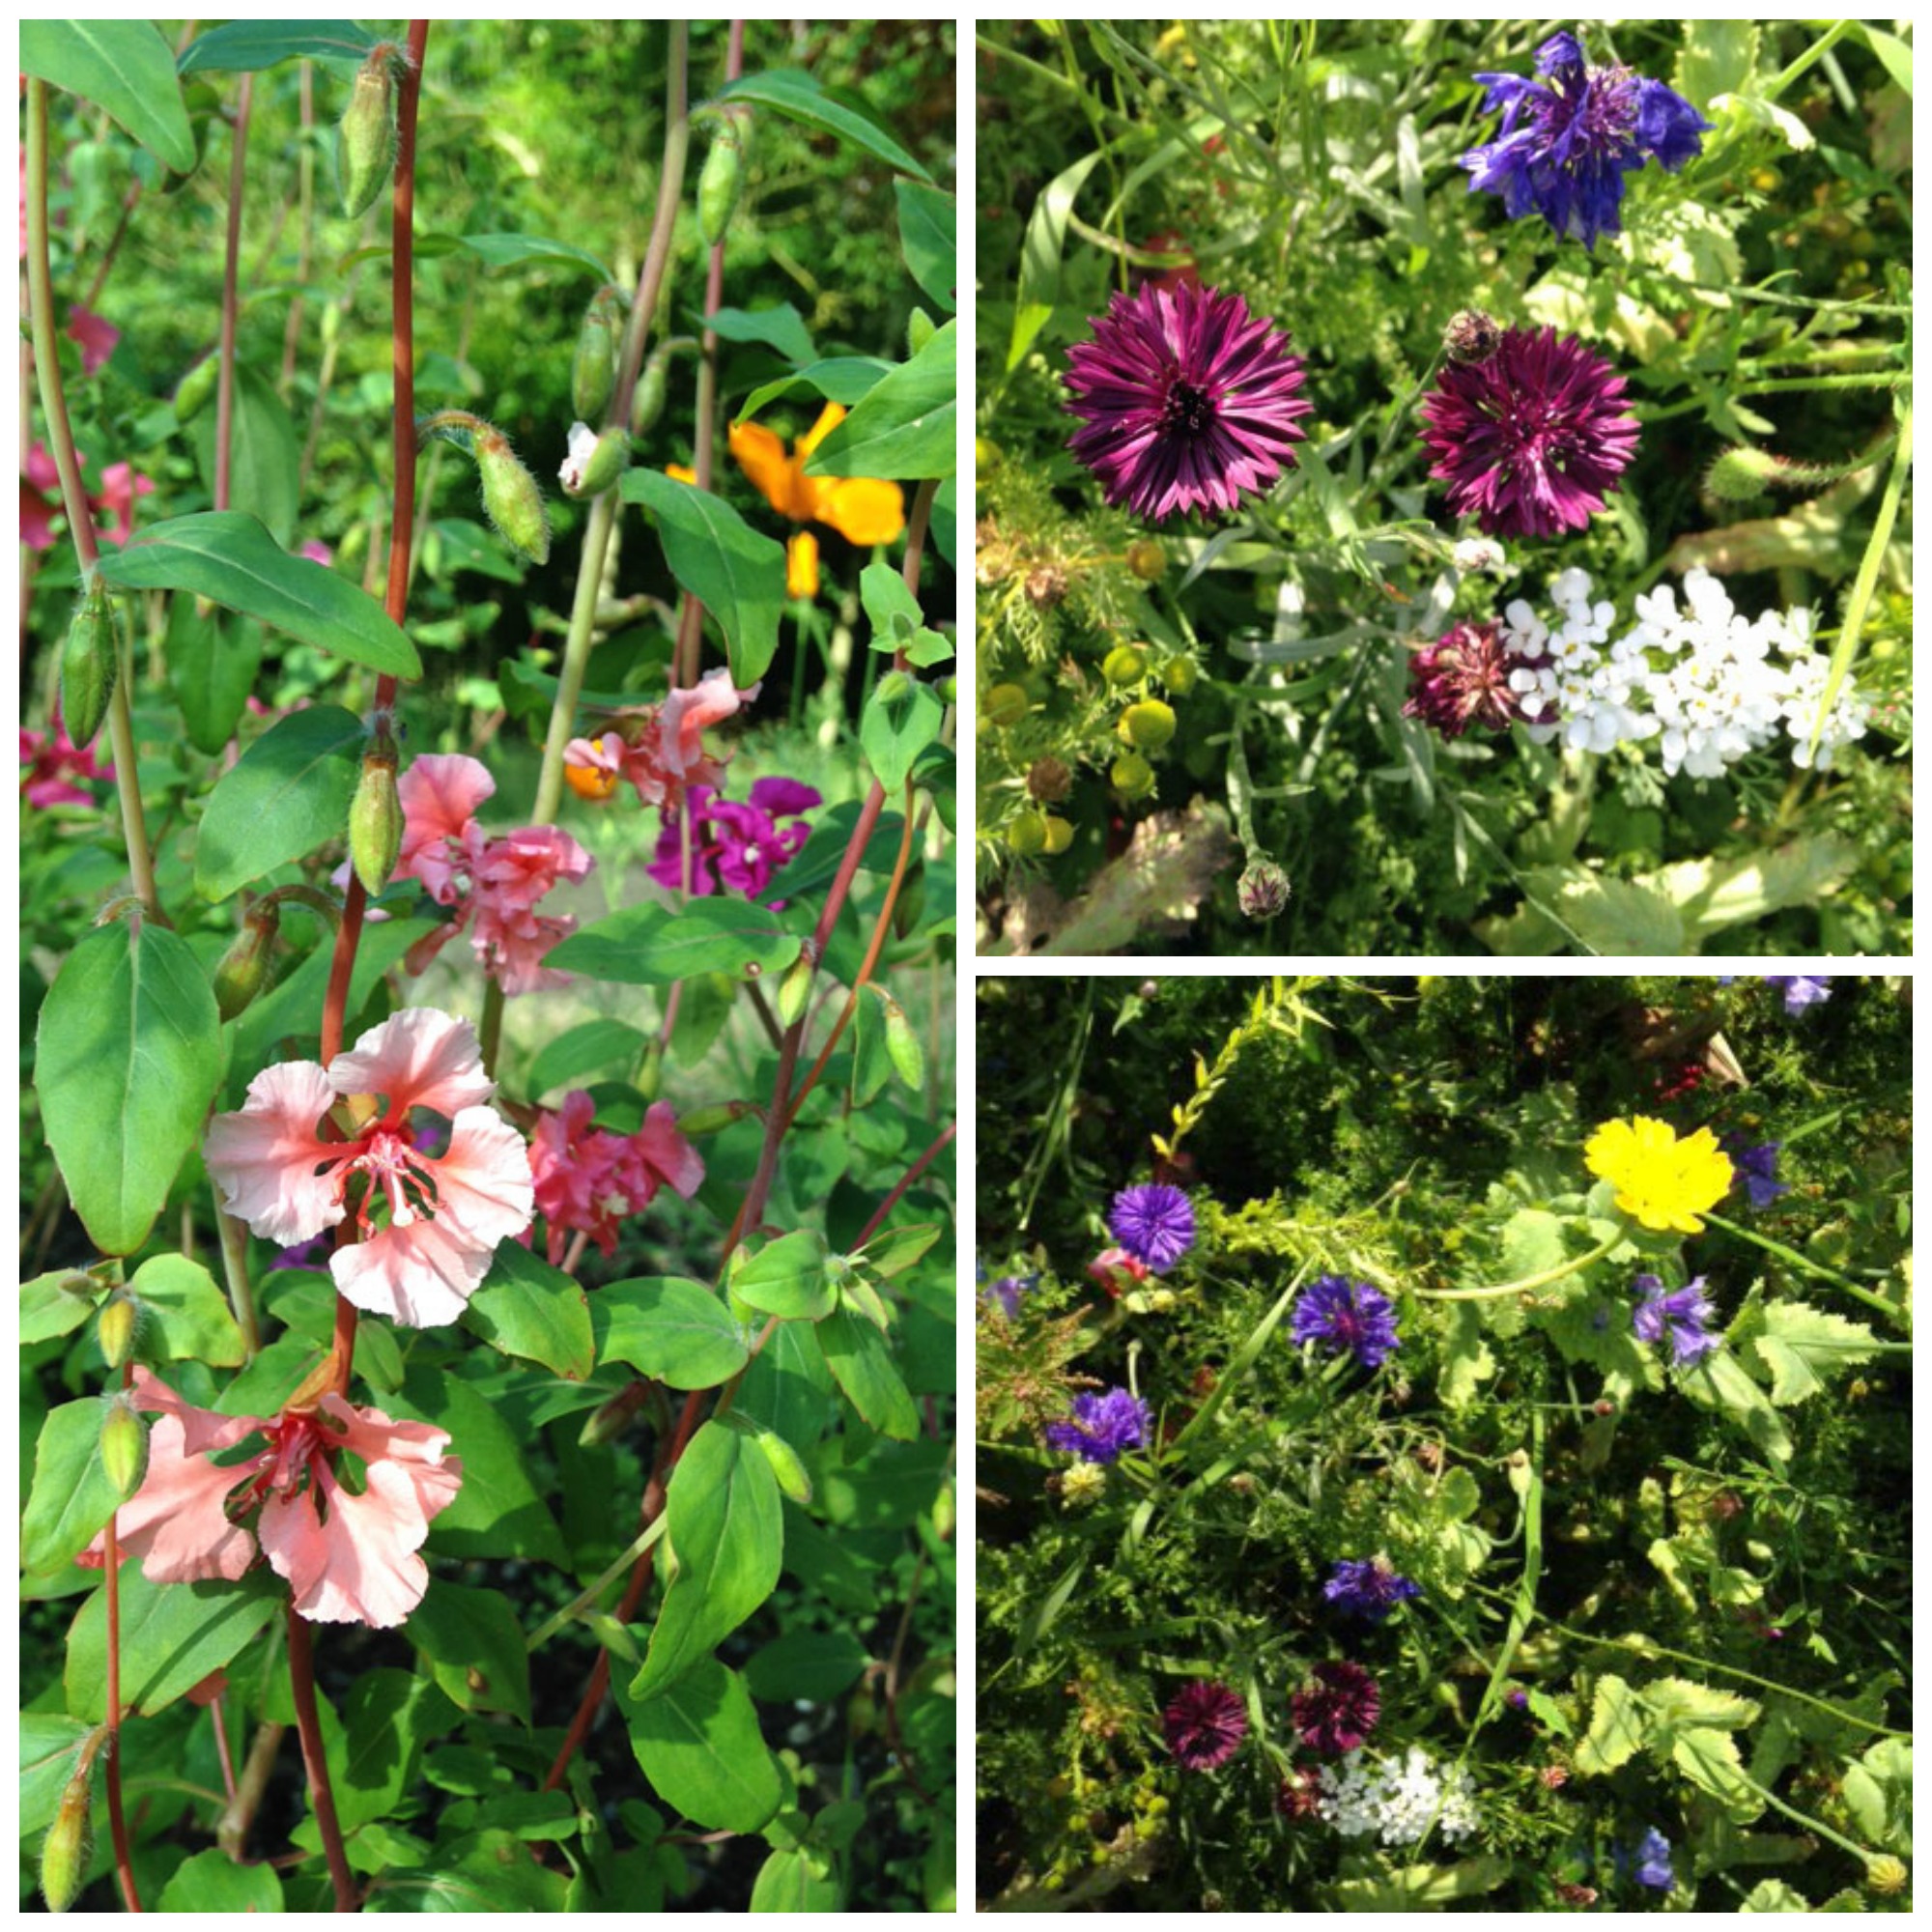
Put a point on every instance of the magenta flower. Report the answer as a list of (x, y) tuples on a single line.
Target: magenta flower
[(1530, 438), (52, 765), (1462, 679), (735, 848), (660, 749), (427, 1225), (1189, 401), (1204, 1726), (587, 1178), (348, 1555), (95, 335), (1340, 1712), (113, 504)]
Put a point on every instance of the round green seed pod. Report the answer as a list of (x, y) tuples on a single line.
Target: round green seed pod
[(649, 401), (1026, 836), (1180, 675), (1123, 665), (1132, 776), (1146, 560), (1147, 726), (1058, 836), (1005, 705)]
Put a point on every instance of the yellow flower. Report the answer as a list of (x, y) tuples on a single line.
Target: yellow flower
[(802, 565), (1665, 1184)]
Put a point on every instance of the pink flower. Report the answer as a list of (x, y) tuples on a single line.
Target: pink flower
[(661, 748), (40, 498), (51, 764), (428, 1225), (587, 1178), (113, 505), (317, 552), (1115, 1270), (349, 1554), (118, 487), (95, 335)]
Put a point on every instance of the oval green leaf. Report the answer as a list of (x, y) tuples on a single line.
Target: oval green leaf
[(265, 454), (907, 426), (674, 1330), (537, 1313), (212, 666), (172, 1635), (655, 945), (701, 1747), (73, 1495), (798, 95), (929, 224), (212, 1882), (856, 1353), (288, 793), (787, 1278), (249, 46), (126, 69), (185, 1316), (839, 379), (781, 328)]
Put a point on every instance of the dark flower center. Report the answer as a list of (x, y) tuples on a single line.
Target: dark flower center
[(1187, 409)]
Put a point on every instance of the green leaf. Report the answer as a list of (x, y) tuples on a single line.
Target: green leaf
[(172, 1635), (482, 1871), (816, 863), (655, 945), (388, 1717), (898, 624), (1616, 1729), (809, 1667), (1894, 54), (727, 1531), (49, 1750), (1709, 1760), (1802, 1346), (896, 728), (288, 793), (787, 1883), (1422, 1887), (1677, 1703), (518, 251), (1718, 1382), (47, 1308), (871, 1061), (701, 1747), (928, 226), (839, 379), (1878, 1794), (212, 668), (126, 69), (893, 1250), (249, 46), (71, 1497), (1718, 57), (856, 1353), (211, 1881), (715, 555), (530, 1310), (129, 1058), (798, 95), (787, 1278), (185, 1315), (265, 454), (475, 1644), (597, 1046), (781, 328), (906, 426), (230, 558), (1041, 255), (676, 1331)]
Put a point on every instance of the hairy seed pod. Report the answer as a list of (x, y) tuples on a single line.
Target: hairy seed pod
[(88, 665), (243, 970), (70, 1844), (376, 815), (119, 1318), (124, 1445), (593, 367), (723, 180), (365, 149), (1133, 777), (1005, 705), (1123, 665), (511, 498), (197, 388), (1026, 836)]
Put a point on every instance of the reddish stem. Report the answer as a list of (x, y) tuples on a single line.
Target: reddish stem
[(117, 1817), (322, 1794), (224, 394), (906, 1179)]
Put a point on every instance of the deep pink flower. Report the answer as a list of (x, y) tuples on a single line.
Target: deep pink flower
[(1115, 1270), (95, 335), (52, 764), (1530, 438), (1204, 1726), (735, 847), (317, 552), (428, 1223), (660, 749), (1462, 679), (587, 1178), (118, 487), (1340, 1710), (40, 498), (349, 1554)]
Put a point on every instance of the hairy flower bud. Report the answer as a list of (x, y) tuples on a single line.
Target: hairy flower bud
[(376, 815), (197, 388), (365, 152), (723, 180), (119, 1318), (593, 368), (648, 400), (1262, 888), (243, 970), (594, 462), (88, 665), (1885, 1874), (511, 497), (124, 1445), (1005, 705), (1147, 726), (70, 1844)]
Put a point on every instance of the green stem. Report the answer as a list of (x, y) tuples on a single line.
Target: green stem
[(1792, 1258), (585, 1599), (1529, 1282), (1250, 1350), (490, 1035), (233, 1235), (1814, 53)]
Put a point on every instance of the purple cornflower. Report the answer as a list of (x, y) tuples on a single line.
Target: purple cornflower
[(1188, 401), (1653, 1861), (1338, 1714), (1103, 1425), (1006, 1293), (734, 847), (1368, 1586), (1462, 679), (1530, 438), (1350, 1317), (1204, 1726), (1677, 1315), (1757, 1168), (1154, 1223), (1801, 991), (1564, 148)]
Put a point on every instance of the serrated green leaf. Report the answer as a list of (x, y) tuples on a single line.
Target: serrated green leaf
[(1718, 1382), (1676, 1702), (1709, 1760), (1802, 1346), (1616, 1729)]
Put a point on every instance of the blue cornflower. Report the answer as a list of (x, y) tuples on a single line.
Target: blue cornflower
[(1154, 1223), (1757, 1168), (1005, 1292), (1678, 1315), (1368, 1586), (1103, 1425), (1801, 990), (1350, 1317), (1564, 148), (1653, 1861)]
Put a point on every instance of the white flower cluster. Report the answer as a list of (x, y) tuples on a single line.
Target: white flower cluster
[(1397, 1800), (1707, 684)]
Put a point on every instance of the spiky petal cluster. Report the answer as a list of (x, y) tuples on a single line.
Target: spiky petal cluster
[(1189, 401), (1102, 1425), (1368, 1586), (1204, 1726), (1154, 1223), (1530, 439), (1347, 1318), (1464, 679), (1340, 1709), (1567, 142)]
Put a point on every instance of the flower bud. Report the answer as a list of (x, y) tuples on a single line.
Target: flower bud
[(647, 401), (1133, 777), (70, 1844), (903, 1048), (1146, 560), (714, 1120), (365, 152), (892, 687), (119, 1318), (593, 368), (1263, 890), (722, 181), (1741, 473), (196, 389), (610, 1420), (89, 664), (1180, 675), (787, 1466), (1123, 665), (511, 498), (1026, 836), (1058, 836), (794, 990), (124, 1445), (1885, 1874), (919, 330), (1005, 705), (594, 462), (1472, 336), (244, 967), (375, 816), (1147, 726)]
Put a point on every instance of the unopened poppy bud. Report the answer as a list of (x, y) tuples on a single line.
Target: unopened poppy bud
[(1146, 560), (376, 818), (1133, 777), (785, 1466), (68, 1843), (119, 1319), (649, 401), (794, 990), (722, 181), (511, 497), (594, 462), (1147, 726), (124, 1446), (593, 367), (921, 328), (244, 967), (1739, 474), (89, 664), (1263, 890), (1123, 665), (1005, 705), (610, 1420), (197, 386), (365, 149), (902, 1044)]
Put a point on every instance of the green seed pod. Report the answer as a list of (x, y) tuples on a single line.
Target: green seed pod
[(702, 1120), (1058, 836), (903, 1048), (785, 1466), (1146, 560), (375, 817), (244, 967), (511, 498), (197, 388), (1026, 836), (365, 149), (1123, 665), (1147, 726), (68, 1843), (119, 1318), (722, 181), (1005, 705), (124, 1445), (1180, 675), (594, 366), (88, 665), (1132, 778), (794, 990), (921, 328), (649, 401)]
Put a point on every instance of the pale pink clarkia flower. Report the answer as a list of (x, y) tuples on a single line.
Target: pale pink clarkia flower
[(669, 755), (587, 1178), (422, 1257), (348, 1555)]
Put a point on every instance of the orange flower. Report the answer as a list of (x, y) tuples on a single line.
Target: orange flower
[(861, 509)]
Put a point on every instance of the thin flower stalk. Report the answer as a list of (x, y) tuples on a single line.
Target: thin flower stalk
[(230, 306)]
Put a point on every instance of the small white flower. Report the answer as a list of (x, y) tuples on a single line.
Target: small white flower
[(1474, 553), (582, 442)]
